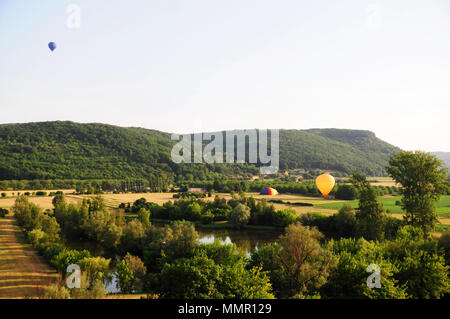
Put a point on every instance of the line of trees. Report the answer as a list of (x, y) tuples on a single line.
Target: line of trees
[(307, 188), (44, 233), (239, 211), (154, 183)]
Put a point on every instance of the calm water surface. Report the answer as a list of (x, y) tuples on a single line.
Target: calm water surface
[(247, 240)]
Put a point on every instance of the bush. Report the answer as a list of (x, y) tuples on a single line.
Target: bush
[(41, 193), (194, 278), (67, 257), (28, 215), (89, 289), (325, 224), (52, 250), (56, 291), (207, 218), (3, 212), (444, 244), (35, 237), (346, 192), (345, 222), (95, 268), (284, 217)]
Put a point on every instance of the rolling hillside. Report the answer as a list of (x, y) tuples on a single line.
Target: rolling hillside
[(335, 149), (68, 150), (444, 157)]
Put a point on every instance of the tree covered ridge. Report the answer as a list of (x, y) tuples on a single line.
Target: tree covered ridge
[(335, 149), (444, 157), (68, 150)]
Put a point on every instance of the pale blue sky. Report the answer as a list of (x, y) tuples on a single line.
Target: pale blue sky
[(183, 66)]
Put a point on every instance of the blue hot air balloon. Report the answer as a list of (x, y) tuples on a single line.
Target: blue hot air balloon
[(52, 45)]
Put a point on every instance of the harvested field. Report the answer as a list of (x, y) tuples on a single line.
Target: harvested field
[(23, 273)]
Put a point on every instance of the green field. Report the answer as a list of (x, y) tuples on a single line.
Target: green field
[(442, 207)]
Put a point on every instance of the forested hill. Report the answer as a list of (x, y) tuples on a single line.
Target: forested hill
[(67, 150), (444, 157), (335, 149)]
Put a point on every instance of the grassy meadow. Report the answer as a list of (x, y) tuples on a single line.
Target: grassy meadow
[(442, 207)]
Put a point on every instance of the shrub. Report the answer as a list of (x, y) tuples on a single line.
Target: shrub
[(35, 237), (346, 192), (89, 289), (207, 217), (284, 217), (345, 222), (95, 268), (28, 215), (444, 244), (56, 291), (52, 250), (194, 278), (325, 224), (67, 257), (3, 212)]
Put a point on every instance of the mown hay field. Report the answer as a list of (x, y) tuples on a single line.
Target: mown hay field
[(23, 273), (44, 202), (376, 181)]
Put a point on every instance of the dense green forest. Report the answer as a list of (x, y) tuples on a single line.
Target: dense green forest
[(334, 149), (68, 150)]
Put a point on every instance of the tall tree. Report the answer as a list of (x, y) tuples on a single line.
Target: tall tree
[(370, 213), (305, 264), (240, 216), (424, 179)]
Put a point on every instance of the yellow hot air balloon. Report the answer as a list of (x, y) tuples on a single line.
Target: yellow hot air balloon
[(325, 184)]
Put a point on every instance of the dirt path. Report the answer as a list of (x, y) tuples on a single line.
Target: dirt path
[(23, 273)]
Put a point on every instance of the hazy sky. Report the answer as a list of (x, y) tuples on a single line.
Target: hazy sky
[(183, 66)]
